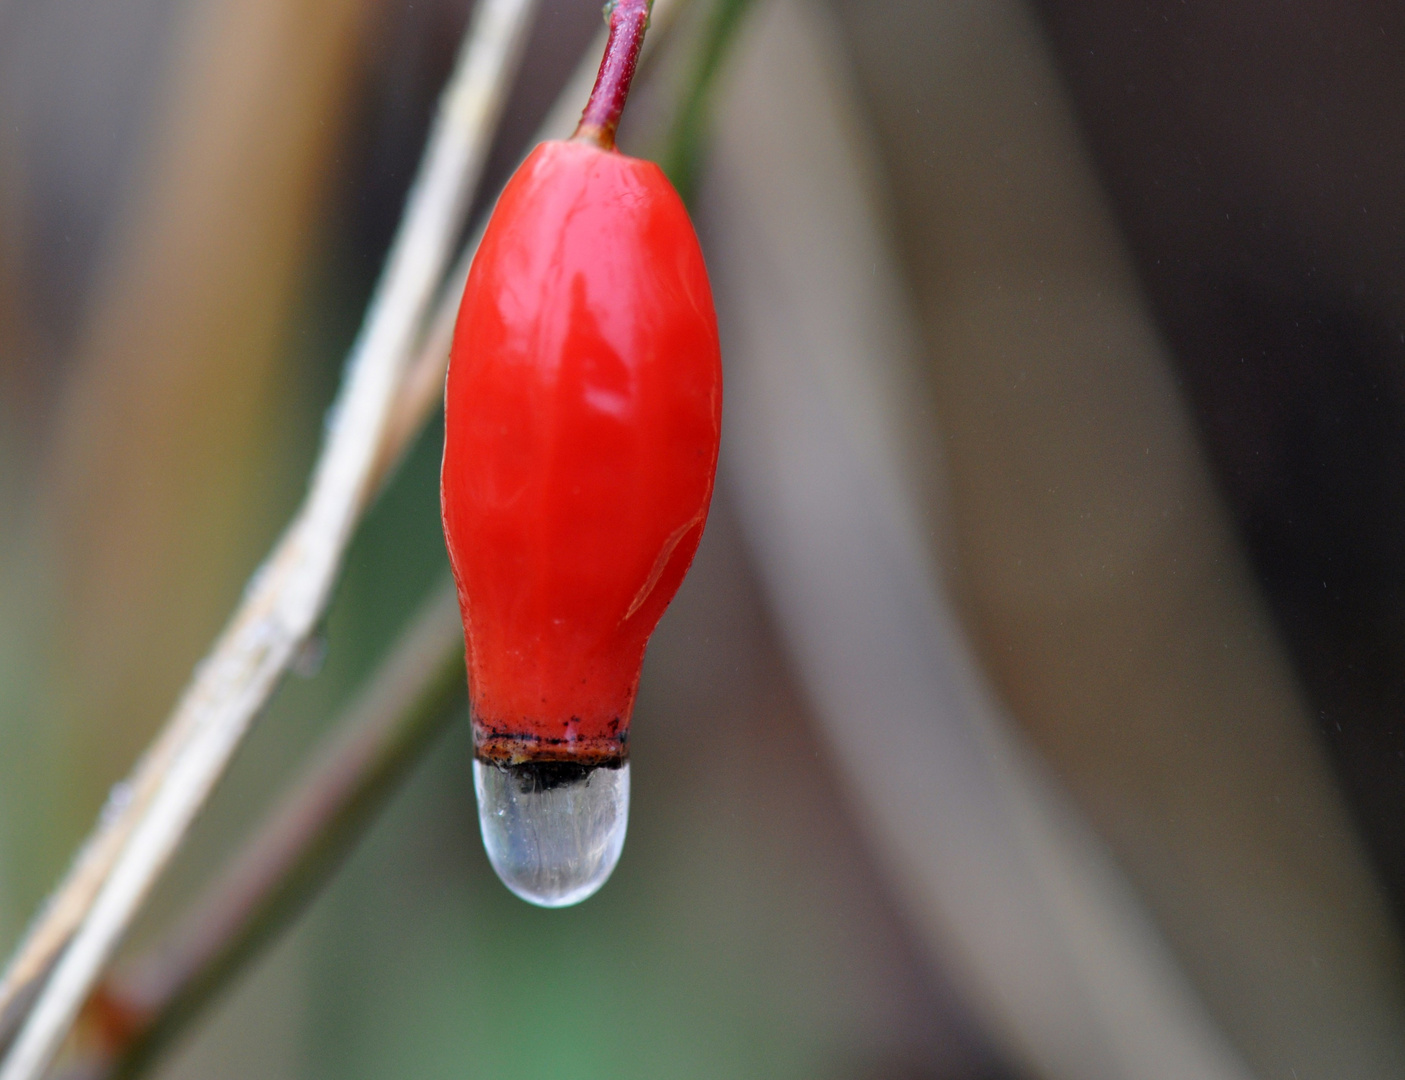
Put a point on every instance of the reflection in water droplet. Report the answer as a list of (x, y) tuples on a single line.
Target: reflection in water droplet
[(553, 829)]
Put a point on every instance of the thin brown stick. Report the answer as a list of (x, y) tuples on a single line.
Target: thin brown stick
[(417, 396), (404, 705), (77, 931)]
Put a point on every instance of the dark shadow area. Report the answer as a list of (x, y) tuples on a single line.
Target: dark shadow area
[(1254, 156)]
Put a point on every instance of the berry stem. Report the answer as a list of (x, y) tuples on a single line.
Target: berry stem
[(628, 21)]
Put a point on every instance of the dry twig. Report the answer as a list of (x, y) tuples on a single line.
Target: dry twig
[(147, 816), (392, 720), (284, 599)]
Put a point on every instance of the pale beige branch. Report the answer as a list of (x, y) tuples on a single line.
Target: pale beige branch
[(147, 817), (394, 382)]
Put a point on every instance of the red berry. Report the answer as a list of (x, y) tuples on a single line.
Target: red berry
[(581, 432)]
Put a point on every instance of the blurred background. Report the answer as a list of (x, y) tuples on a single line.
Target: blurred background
[(1033, 708)]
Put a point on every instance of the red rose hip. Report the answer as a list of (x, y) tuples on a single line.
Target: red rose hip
[(584, 402), (583, 413)]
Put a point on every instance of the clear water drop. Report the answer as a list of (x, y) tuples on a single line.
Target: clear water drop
[(554, 830)]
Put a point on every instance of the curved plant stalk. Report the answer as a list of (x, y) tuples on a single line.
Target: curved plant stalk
[(417, 394), (406, 703), (147, 816)]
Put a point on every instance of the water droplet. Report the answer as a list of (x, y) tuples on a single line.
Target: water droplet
[(553, 829)]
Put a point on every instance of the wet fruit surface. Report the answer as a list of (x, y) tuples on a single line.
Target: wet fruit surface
[(583, 416)]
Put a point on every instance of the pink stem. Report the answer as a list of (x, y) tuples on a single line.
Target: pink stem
[(628, 19)]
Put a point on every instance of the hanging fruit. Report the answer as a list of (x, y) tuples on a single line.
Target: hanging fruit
[(583, 413)]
